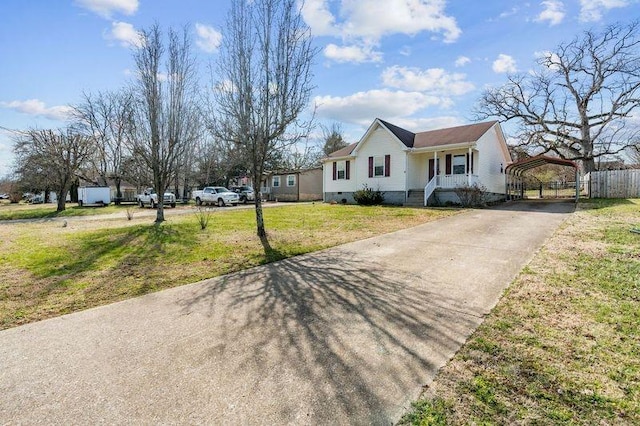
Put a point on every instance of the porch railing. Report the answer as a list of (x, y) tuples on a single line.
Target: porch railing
[(429, 188), (454, 181)]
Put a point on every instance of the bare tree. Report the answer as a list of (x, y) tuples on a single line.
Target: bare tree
[(303, 155), (166, 116), (577, 103), (633, 152), (333, 138), (265, 82), (108, 118), (52, 159)]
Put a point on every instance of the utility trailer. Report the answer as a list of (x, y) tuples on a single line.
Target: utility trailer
[(97, 196)]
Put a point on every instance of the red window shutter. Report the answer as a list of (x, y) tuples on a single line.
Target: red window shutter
[(387, 165), (468, 163), (370, 166), (347, 170), (472, 162), (447, 164), (335, 170)]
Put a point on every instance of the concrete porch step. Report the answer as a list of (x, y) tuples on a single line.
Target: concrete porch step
[(415, 198)]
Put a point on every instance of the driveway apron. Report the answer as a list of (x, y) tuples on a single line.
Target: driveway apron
[(347, 335)]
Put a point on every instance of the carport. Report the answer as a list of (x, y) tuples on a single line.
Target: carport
[(514, 175)]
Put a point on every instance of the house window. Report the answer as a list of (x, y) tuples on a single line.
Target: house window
[(459, 164), (275, 182), (378, 166), (341, 170), (291, 180)]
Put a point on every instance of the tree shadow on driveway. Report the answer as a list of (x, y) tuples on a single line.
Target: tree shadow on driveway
[(328, 337)]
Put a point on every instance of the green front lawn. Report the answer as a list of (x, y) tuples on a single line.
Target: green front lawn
[(48, 269), (563, 344)]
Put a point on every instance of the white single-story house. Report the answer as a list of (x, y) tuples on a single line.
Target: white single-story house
[(419, 168)]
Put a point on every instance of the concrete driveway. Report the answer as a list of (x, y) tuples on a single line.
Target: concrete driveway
[(347, 335)]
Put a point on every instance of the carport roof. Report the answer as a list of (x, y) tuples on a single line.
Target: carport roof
[(522, 166)]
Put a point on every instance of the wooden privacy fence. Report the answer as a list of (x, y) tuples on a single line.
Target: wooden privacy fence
[(614, 183)]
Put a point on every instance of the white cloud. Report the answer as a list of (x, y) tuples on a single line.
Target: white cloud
[(317, 15), (38, 108), (362, 107), (209, 38), (461, 61), (505, 14), (553, 12), (352, 53), (125, 34), (423, 124), (592, 10), (504, 64), (405, 51), (435, 81), (106, 8), (365, 22)]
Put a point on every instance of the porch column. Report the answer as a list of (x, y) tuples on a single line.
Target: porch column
[(469, 166), (435, 166)]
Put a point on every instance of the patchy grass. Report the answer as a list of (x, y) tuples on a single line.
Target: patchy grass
[(563, 344), (48, 211), (47, 269)]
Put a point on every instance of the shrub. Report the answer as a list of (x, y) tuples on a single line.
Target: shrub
[(368, 197), (471, 195), (203, 215), (129, 213)]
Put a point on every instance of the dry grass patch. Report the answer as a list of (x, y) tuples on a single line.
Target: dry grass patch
[(563, 344), (49, 270)]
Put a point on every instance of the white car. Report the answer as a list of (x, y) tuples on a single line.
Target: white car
[(218, 195), (150, 198)]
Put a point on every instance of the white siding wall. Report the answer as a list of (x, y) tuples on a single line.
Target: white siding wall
[(491, 155), (381, 143), (338, 185), (418, 173)]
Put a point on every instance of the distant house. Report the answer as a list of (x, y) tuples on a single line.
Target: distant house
[(293, 185), (418, 168)]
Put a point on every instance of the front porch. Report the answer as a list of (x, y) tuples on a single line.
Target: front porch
[(428, 175), (444, 188)]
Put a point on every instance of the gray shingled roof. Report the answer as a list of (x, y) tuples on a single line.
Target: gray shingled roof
[(432, 138), (452, 135), (405, 136), (344, 151)]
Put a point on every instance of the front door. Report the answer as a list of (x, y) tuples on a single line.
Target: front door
[(431, 162)]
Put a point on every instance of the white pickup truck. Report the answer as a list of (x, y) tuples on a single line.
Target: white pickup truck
[(218, 195), (150, 198)]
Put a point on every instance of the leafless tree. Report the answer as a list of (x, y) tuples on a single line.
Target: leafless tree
[(578, 102), (303, 155), (107, 117), (52, 159), (166, 115), (633, 152), (265, 82), (333, 138)]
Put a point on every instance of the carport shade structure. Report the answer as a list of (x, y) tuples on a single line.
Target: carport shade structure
[(514, 172)]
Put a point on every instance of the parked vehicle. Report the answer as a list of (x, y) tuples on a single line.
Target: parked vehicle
[(218, 195), (150, 198), (246, 193), (94, 196), (35, 199), (4, 196)]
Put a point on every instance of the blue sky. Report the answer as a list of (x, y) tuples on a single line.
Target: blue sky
[(420, 64)]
